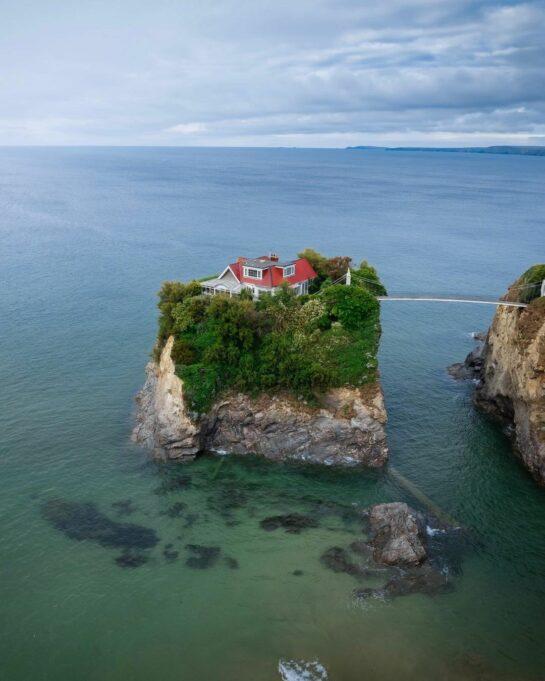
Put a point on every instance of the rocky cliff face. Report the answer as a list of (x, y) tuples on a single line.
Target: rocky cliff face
[(512, 379), (162, 422), (348, 428)]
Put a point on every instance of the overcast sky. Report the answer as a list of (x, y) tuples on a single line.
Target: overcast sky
[(259, 73)]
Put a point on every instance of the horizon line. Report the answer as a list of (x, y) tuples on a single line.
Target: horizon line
[(420, 147)]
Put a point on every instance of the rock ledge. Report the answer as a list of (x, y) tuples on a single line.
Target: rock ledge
[(348, 429)]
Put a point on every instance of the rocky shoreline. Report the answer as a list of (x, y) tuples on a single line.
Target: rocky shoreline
[(509, 370), (397, 549), (347, 428)]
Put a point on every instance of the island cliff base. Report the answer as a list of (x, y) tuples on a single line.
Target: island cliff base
[(346, 429)]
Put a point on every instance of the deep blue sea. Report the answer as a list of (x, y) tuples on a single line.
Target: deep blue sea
[(87, 235)]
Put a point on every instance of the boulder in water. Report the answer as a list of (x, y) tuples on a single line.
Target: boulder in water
[(397, 534)]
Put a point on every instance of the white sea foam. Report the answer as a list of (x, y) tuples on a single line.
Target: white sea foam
[(301, 670), (433, 531)]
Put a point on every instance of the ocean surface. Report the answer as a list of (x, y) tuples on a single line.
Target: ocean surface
[(87, 235)]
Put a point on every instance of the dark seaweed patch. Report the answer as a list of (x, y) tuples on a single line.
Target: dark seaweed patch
[(190, 520), (361, 548), (176, 510), (174, 481), (203, 556), (83, 521), (124, 507), (321, 507), (338, 560), (130, 559), (425, 579), (232, 563), (170, 553), (291, 522), (297, 573), (227, 499)]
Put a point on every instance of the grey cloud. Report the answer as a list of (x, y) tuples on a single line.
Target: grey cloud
[(263, 72)]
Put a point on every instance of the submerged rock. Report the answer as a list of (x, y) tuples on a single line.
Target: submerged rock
[(397, 551), (203, 556), (190, 519), (293, 523), (174, 481), (397, 534), (338, 560), (362, 548), (348, 429), (425, 579), (176, 510), (124, 507), (169, 553), (226, 499), (131, 560), (232, 563), (83, 521)]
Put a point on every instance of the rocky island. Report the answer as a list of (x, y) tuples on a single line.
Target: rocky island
[(510, 370), (286, 373)]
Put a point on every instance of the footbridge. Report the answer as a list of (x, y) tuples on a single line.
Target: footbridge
[(452, 299), (472, 300)]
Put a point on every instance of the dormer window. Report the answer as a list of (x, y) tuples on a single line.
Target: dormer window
[(289, 270), (252, 273)]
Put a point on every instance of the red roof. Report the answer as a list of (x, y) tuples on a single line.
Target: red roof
[(273, 275)]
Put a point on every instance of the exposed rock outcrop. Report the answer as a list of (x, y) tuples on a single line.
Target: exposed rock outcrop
[(162, 422), (347, 429), (510, 370), (471, 367), (397, 550), (512, 379), (397, 534)]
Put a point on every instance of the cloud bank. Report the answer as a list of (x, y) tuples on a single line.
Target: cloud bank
[(272, 73)]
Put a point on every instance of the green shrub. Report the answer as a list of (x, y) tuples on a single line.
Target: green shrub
[(183, 352), (332, 268), (302, 344), (367, 277), (189, 313), (528, 286), (350, 305), (201, 383), (234, 324), (317, 261), (170, 295)]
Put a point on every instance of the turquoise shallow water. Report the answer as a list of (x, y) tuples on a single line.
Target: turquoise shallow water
[(87, 236)]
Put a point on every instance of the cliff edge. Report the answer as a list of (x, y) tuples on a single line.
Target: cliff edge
[(512, 379), (510, 368), (346, 429)]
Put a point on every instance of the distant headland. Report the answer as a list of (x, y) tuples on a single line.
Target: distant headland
[(510, 150)]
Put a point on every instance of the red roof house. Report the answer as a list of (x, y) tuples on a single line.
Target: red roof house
[(261, 275)]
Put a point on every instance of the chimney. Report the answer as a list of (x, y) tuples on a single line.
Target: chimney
[(274, 257), (241, 259)]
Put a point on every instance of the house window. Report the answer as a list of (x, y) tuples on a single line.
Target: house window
[(253, 273), (289, 271)]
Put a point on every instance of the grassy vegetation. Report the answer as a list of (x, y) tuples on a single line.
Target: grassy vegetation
[(303, 345), (528, 286)]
